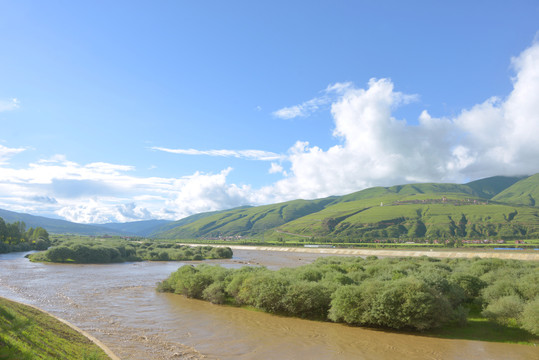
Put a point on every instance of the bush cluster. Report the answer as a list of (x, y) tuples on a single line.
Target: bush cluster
[(91, 252), (398, 293)]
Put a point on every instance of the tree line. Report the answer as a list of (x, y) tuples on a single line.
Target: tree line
[(397, 293), (15, 237)]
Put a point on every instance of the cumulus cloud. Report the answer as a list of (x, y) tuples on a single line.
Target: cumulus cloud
[(275, 168), (207, 192), (102, 192), (8, 105), (243, 154), (497, 137)]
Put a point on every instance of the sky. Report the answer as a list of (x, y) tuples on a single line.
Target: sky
[(117, 111)]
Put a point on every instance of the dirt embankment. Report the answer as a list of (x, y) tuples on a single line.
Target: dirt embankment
[(508, 254)]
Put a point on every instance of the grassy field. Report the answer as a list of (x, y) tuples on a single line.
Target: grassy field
[(27, 333)]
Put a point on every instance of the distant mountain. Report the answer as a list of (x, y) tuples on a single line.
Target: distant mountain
[(412, 210), (524, 192), (138, 228), (55, 226)]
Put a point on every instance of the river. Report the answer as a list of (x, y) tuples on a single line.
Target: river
[(117, 304)]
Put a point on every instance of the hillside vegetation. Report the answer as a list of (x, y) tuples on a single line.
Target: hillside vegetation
[(498, 207), (525, 192), (246, 220)]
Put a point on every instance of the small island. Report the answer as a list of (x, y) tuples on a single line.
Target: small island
[(117, 251)]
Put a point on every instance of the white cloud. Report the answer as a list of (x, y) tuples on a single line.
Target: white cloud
[(207, 192), (302, 110), (101, 192), (9, 105), (275, 169), (243, 154), (310, 106), (6, 153), (93, 211)]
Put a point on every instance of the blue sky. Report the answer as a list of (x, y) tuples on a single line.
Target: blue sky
[(130, 110)]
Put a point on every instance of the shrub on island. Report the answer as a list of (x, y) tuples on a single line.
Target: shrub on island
[(397, 293), (121, 251)]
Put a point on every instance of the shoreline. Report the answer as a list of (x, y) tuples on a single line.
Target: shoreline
[(93, 339), (392, 253)]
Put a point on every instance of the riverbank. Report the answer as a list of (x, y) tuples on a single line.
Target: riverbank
[(449, 253), (29, 332)]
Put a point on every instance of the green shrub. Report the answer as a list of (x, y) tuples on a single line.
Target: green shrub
[(504, 310), (530, 317)]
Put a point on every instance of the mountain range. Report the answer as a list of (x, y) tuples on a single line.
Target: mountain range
[(496, 206)]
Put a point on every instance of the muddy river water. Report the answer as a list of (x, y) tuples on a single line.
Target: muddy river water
[(117, 303)]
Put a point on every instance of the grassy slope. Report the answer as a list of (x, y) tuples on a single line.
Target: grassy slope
[(524, 192), (402, 204), (243, 221), (363, 212), (490, 187), (188, 220), (27, 333)]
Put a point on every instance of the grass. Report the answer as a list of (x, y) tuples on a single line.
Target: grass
[(481, 329), (27, 333)]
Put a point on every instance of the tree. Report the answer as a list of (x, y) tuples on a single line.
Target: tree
[(13, 235), (3, 230), (40, 233)]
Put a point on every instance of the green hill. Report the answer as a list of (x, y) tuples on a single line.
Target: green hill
[(490, 187), (187, 220), (429, 210), (524, 192), (246, 220)]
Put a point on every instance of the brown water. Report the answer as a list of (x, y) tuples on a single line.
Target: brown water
[(117, 304)]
